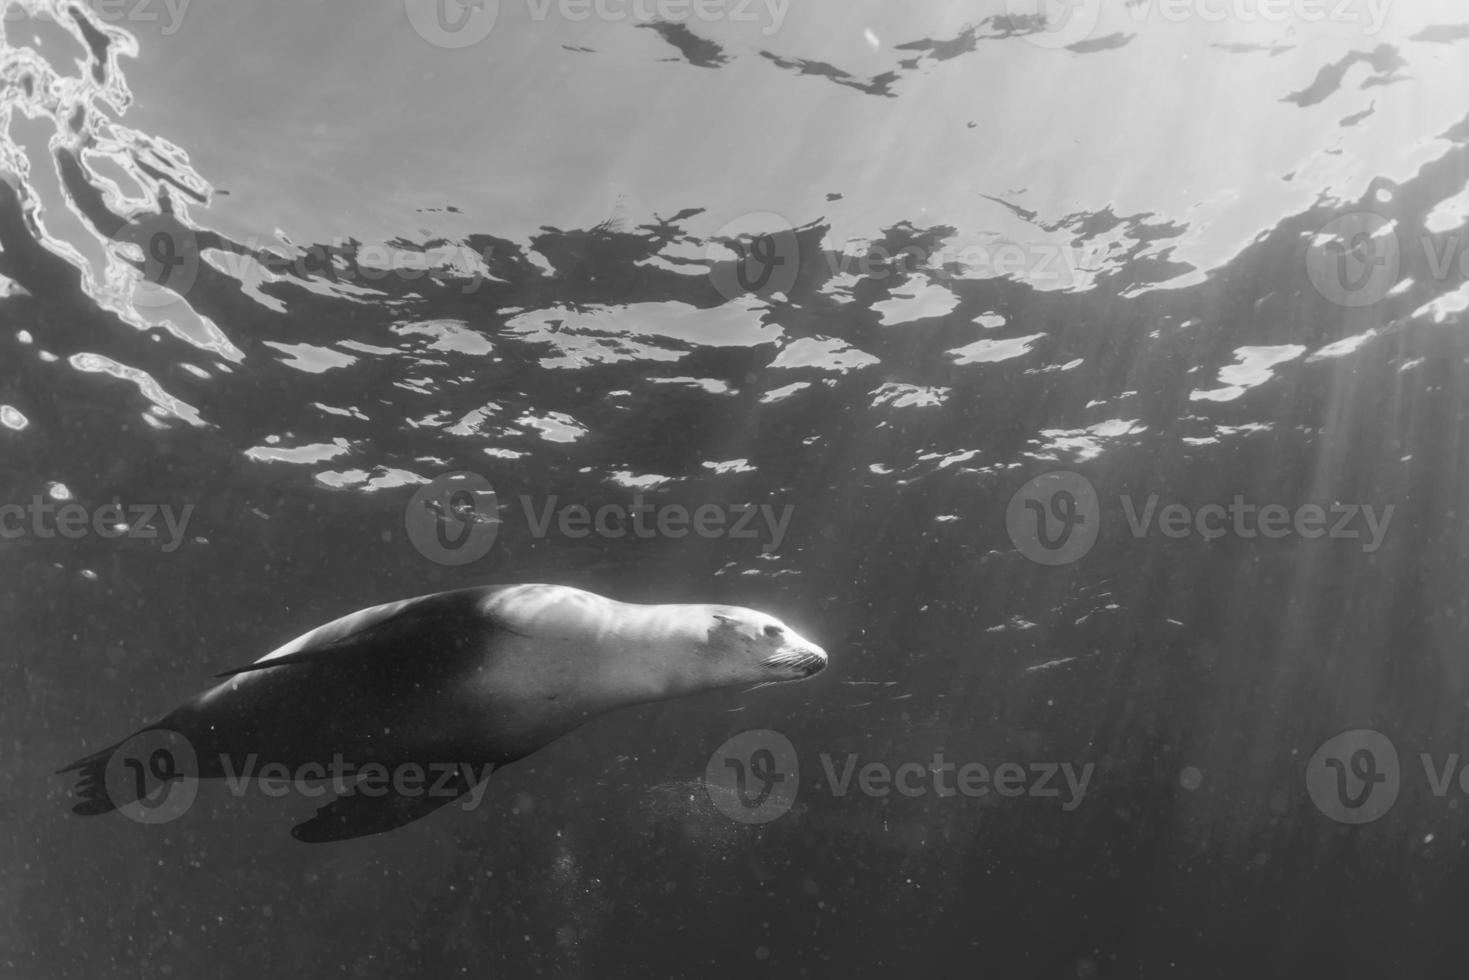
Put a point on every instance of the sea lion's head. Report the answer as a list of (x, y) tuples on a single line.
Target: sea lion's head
[(751, 647)]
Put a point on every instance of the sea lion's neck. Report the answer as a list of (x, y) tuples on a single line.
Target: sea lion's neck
[(580, 655), (641, 654)]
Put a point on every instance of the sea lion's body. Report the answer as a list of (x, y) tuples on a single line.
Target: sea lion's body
[(477, 677)]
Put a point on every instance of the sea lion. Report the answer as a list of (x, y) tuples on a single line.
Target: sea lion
[(464, 681)]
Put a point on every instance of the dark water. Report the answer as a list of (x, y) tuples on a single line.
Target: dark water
[(1191, 260)]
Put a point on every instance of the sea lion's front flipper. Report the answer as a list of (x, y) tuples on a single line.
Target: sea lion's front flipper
[(357, 814)]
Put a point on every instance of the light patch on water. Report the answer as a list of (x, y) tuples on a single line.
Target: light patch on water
[(641, 331), (363, 348), (989, 351), (1444, 307), (1087, 443), (12, 418), (318, 452), (909, 396), (930, 300), (576, 351), (310, 358), (472, 422), (555, 426), (990, 321), (1222, 432), (448, 335), (825, 353), (152, 390), (1117, 427), (1097, 402), (1343, 347), (729, 466), (637, 481), (783, 392), (250, 273), (1052, 663), (1448, 214), (351, 413), (385, 478), (662, 262), (710, 385), (945, 460), (1256, 366), (840, 286), (57, 490)]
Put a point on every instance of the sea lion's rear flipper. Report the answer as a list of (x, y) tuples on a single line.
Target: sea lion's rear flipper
[(91, 788), (357, 814)]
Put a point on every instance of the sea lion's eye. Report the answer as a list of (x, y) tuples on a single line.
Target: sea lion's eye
[(774, 632)]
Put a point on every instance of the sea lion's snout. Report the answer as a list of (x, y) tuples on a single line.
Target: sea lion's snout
[(814, 663), (797, 661)]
